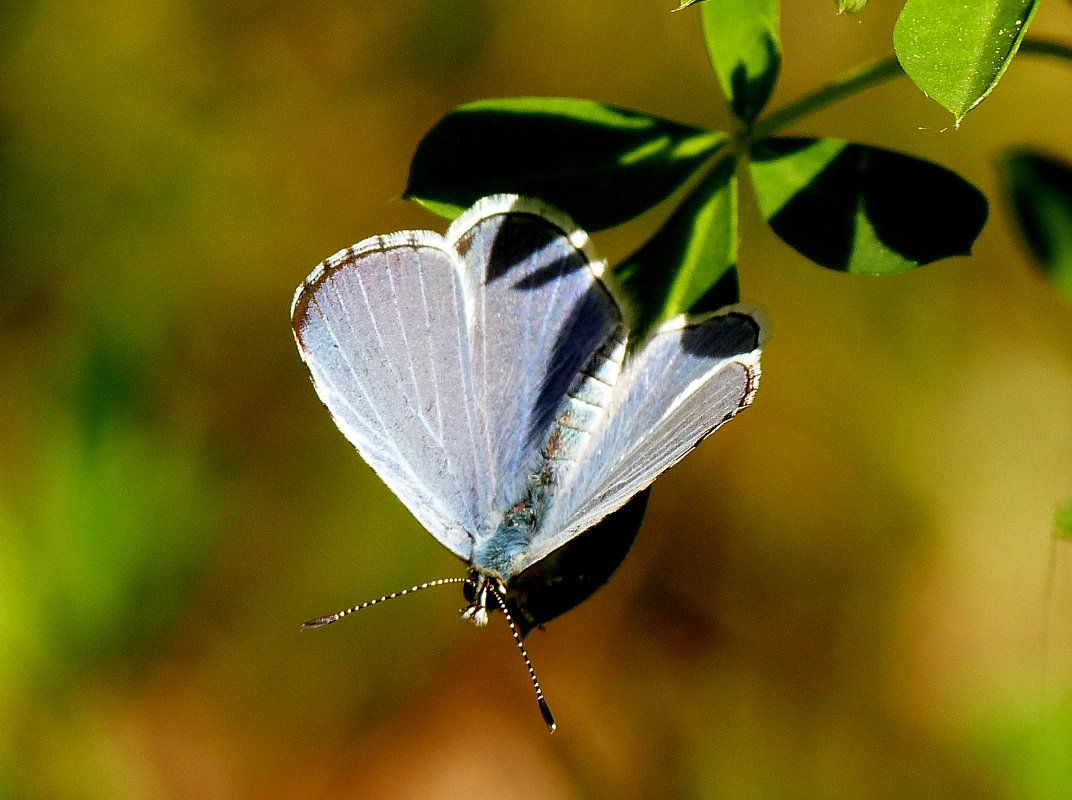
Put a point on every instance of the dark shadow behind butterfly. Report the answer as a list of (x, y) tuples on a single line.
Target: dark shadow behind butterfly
[(572, 573)]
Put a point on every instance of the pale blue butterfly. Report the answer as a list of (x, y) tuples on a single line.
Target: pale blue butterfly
[(487, 376)]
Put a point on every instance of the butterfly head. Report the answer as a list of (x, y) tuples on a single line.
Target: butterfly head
[(485, 592)]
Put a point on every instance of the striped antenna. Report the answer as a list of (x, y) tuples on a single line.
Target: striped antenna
[(545, 709), (320, 622)]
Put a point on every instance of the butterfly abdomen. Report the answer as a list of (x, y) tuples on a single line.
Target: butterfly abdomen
[(580, 414), (584, 407)]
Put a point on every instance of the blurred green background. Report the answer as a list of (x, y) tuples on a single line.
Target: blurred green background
[(851, 591)]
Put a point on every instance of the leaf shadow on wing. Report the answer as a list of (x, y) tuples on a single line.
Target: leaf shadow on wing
[(585, 326), (737, 334), (546, 274)]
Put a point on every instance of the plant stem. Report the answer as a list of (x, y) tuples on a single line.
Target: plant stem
[(856, 80), (866, 76)]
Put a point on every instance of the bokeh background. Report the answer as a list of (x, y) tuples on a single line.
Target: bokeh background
[(853, 590)]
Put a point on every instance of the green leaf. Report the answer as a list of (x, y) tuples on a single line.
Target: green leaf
[(862, 209), (742, 40), (850, 6), (955, 51), (602, 165), (1041, 193), (690, 263)]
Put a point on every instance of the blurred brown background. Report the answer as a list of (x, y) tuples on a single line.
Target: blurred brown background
[(851, 591)]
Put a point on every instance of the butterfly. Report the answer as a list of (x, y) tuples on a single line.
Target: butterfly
[(489, 378)]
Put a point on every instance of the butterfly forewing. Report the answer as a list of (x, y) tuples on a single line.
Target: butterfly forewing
[(384, 330), (540, 312)]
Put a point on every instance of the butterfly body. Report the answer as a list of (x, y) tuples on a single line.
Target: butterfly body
[(498, 553)]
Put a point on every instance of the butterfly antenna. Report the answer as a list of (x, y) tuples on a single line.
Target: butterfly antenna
[(320, 622), (545, 709)]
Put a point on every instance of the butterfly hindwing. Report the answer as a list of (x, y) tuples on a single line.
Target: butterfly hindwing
[(687, 380)]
